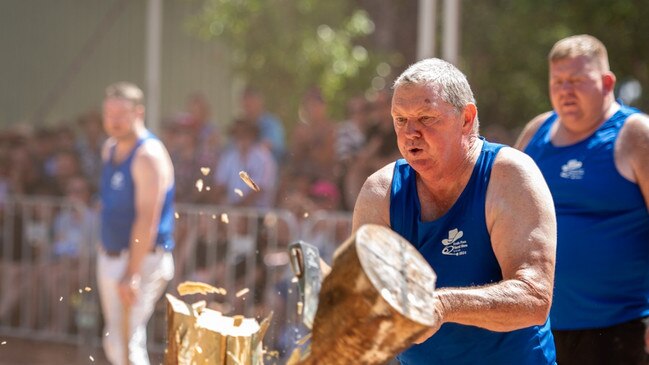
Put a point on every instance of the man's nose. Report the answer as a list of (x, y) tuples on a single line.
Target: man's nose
[(412, 128)]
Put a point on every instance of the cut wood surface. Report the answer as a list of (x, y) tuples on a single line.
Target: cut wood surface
[(374, 303)]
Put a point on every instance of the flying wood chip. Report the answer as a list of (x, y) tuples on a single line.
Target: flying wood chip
[(246, 178), (194, 287)]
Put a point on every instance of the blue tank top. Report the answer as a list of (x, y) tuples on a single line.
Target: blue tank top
[(602, 269), (458, 247), (117, 194)]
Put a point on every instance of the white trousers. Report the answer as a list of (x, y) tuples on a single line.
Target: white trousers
[(157, 270)]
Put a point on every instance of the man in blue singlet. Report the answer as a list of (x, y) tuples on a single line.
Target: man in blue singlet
[(594, 154), (137, 217), (480, 214)]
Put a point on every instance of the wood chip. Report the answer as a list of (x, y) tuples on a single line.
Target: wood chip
[(295, 357), (246, 178), (238, 192), (303, 340), (242, 292), (205, 171), (224, 218), (237, 320), (199, 185), (195, 287)]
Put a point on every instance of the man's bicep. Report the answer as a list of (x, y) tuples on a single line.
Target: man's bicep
[(639, 149), (373, 203), (148, 180), (523, 228)]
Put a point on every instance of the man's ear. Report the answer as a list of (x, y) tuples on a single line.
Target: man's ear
[(139, 109), (608, 80), (470, 114)]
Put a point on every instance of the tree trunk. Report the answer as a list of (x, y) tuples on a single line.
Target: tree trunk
[(374, 303)]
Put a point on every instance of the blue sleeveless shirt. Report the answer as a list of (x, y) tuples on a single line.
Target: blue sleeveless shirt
[(458, 247), (117, 193), (602, 269)]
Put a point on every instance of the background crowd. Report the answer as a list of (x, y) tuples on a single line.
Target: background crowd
[(319, 165)]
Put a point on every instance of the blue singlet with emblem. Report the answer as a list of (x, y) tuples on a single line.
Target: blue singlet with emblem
[(602, 269), (458, 247), (118, 205)]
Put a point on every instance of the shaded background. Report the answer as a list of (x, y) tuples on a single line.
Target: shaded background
[(58, 55)]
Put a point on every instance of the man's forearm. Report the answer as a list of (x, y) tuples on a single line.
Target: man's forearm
[(142, 243), (506, 306)]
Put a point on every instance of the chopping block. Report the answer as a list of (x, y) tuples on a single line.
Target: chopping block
[(374, 303)]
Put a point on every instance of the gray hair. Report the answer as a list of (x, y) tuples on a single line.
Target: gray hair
[(448, 81)]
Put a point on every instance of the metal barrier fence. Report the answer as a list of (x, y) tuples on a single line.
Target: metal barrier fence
[(47, 267)]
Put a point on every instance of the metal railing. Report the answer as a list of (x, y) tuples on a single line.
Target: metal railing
[(47, 267)]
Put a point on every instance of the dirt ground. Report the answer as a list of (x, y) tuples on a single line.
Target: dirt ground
[(15, 351)]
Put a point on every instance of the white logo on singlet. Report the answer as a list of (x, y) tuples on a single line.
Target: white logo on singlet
[(572, 170), (452, 245), (117, 181)]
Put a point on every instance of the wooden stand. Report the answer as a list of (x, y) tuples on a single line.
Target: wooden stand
[(374, 303)]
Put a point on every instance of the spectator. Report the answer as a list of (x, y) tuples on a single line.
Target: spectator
[(65, 165), (350, 136), (378, 150), (245, 154), (187, 166), (76, 234), (271, 129), (206, 132), (314, 138), (88, 145)]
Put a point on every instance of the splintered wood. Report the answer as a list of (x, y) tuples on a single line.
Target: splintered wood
[(373, 304), (248, 180), (195, 287), (199, 335)]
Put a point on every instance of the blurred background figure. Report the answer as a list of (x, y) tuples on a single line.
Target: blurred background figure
[(88, 145), (207, 135), (65, 166), (245, 153), (75, 238), (271, 129), (314, 137), (379, 149), (350, 139), (190, 165)]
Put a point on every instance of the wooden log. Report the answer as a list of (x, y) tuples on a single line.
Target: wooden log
[(374, 303), (198, 335)]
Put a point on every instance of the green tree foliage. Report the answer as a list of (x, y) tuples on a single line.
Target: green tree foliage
[(505, 45), (284, 47)]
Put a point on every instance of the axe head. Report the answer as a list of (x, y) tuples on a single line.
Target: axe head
[(305, 263)]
